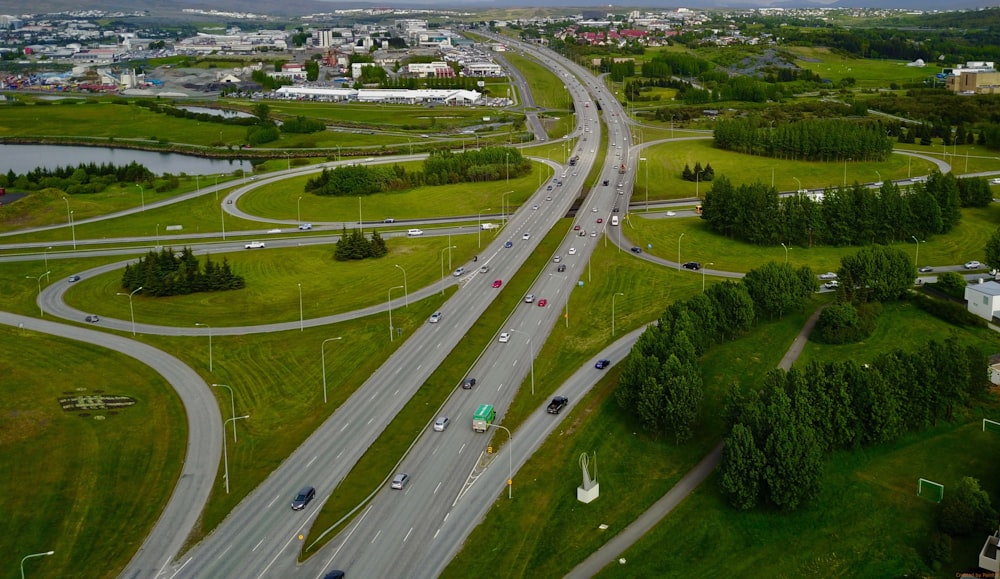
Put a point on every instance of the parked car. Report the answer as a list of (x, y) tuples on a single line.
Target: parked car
[(828, 275), (468, 383), (73, 278), (504, 338), (602, 364), (399, 481), (636, 249), (435, 318), (441, 423), (530, 298), (973, 265), (302, 499), (305, 226), (692, 265), (832, 284), (497, 283), (542, 302)]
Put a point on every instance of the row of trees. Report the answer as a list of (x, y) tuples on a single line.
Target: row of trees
[(855, 215), (361, 180), (180, 113), (165, 273), (780, 433), (706, 173), (807, 139), (353, 245), (83, 179)]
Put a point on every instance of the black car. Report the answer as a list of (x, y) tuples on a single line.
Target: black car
[(692, 265), (605, 183), (302, 499), (602, 364), (468, 383), (335, 574), (636, 249), (557, 404), (562, 267)]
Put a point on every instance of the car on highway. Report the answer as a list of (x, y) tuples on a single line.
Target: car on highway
[(302, 499), (972, 265), (561, 268), (526, 236), (388, 220), (926, 269), (305, 226), (435, 318), (414, 232), (557, 259), (459, 271), (995, 181), (468, 383), (275, 230), (93, 318), (530, 298), (828, 275), (497, 283), (605, 182), (504, 338), (543, 302), (600, 220), (615, 209), (557, 404), (254, 245), (73, 278), (671, 213), (534, 207), (548, 198), (509, 244), (572, 251), (583, 233), (593, 209), (441, 423), (692, 265), (636, 249), (602, 364), (576, 228), (334, 574), (399, 481)]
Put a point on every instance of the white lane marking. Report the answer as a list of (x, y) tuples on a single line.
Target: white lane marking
[(437, 487), (396, 393), (370, 420), (272, 501), (372, 397), (499, 387), (344, 427), (375, 538), (222, 554), (461, 449), (436, 533), (348, 538), (179, 569), (407, 534), (257, 545), (308, 464), (448, 514), (339, 453)]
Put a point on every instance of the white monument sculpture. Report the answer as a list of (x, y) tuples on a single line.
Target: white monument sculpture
[(590, 489)]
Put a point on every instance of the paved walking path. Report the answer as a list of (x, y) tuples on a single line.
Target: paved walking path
[(631, 534)]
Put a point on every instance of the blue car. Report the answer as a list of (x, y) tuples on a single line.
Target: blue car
[(509, 244), (602, 364)]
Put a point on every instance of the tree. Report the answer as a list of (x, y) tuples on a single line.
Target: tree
[(876, 273), (967, 510), (776, 288), (993, 250), (742, 468)]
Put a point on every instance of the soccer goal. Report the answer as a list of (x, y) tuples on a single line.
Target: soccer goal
[(930, 490), (990, 425)]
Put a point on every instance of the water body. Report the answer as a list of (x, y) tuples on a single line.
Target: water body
[(25, 158), (218, 112)]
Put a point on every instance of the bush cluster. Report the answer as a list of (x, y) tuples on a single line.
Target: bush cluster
[(169, 274)]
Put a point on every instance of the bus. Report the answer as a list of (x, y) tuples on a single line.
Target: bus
[(483, 417)]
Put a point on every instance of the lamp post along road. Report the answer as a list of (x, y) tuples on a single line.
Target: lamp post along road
[(510, 462), (646, 161), (406, 298), (613, 312), (301, 322), (786, 251), (209, 348), (679, 251), (298, 209), (41, 311), (390, 309), (225, 449), (442, 266), (531, 357), (232, 404), (916, 258), (142, 196), (703, 275), (480, 223), (47, 553), (322, 356), (45, 255), (130, 310), (69, 220)]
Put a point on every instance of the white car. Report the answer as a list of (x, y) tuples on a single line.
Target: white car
[(572, 251), (530, 298), (534, 207), (504, 338), (671, 213), (995, 181), (832, 284), (435, 317), (254, 245), (441, 423), (593, 209), (414, 233), (274, 231), (828, 275), (973, 265), (459, 272), (526, 236)]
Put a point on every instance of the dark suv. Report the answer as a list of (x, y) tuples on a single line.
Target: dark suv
[(468, 383), (692, 265), (302, 499)]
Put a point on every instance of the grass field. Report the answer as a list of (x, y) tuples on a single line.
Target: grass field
[(88, 489), (547, 89), (869, 73)]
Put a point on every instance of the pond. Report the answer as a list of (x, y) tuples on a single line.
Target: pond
[(25, 158)]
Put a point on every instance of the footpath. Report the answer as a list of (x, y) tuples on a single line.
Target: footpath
[(631, 534)]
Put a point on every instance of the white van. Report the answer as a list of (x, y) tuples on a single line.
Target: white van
[(414, 232), (614, 220)]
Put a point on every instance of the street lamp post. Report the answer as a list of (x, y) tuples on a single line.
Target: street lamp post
[(360, 221), (879, 176), (406, 299), (130, 310), (298, 209), (41, 311), (679, 251), (442, 266), (480, 223), (322, 356), (301, 324), (916, 258), (503, 206), (531, 357), (197, 183), (786, 251), (646, 161), (69, 219), (142, 196), (210, 352), (157, 235), (845, 170), (222, 212), (232, 404), (703, 275), (510, 461), (45, 255), (613, 312), (47, 553), (225, 449), (390, 309), (799, 190), (288, 157), (217, 187)]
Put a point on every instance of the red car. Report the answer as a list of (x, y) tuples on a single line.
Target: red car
[(542, 303), (498, 283), (600, 220), (576, 228)]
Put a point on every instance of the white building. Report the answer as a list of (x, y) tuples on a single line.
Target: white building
[(983, 299), (483, 69)]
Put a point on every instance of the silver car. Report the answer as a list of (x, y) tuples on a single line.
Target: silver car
[(441, 423), (399, 481)]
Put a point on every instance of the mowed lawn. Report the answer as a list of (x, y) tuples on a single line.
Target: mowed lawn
[(869, 73), (89, 489)]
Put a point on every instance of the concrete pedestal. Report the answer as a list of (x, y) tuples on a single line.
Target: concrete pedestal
[(586, 495)]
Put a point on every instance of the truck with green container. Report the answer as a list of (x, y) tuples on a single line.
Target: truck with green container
[(484, 416)]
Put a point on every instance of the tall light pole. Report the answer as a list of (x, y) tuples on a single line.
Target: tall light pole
[(646, 161), (531, 357), (69, 220), (225, 449), (390, 309), (47, 553), (157, 235), (679, 251), (222, 212), (406, 299), (845, 170), (442, 266), (41, 312), (210, 354), (130, 310), (503, 206), (360, 222), (510, 461), (217, 187), (45, 255), (613, 312), (298, 209), (799, 190), (879, 176), (197, 183), (232, 404), (142, 196), (703, 275), (301, 326), (916, 258), (786, 251), (480, 223), (288, 157), (322, 357)]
